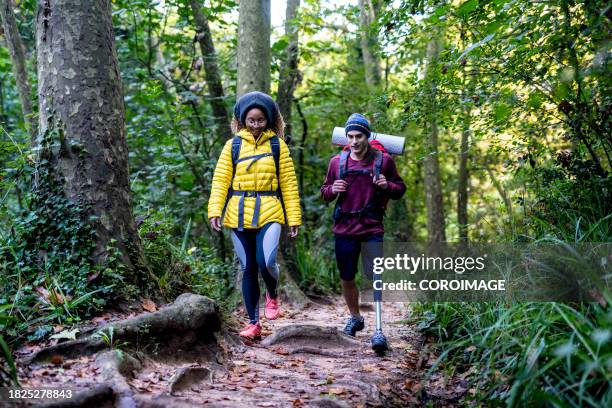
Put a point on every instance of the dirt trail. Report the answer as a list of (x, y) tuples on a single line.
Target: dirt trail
[(312, 364)]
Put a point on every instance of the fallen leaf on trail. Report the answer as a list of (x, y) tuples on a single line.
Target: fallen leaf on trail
[(336, 391), (280, 350), (101, 319), (149, 305), (66, 334), (368, 368), (58, 328), (57, 359)]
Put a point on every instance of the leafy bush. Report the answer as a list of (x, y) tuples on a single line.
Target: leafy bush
[(179, 269), (46, 270), (530, 353), (316, 267)]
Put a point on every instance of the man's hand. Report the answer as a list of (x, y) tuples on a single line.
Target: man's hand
[(339, 186), (293, 231), (215, 223), (381, 182)]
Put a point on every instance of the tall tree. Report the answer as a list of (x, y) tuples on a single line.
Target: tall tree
[(211, 71), (82, 118), (289, 65), (433, 186), (17, 52), (369, 43), (253, 47), (464, 172)]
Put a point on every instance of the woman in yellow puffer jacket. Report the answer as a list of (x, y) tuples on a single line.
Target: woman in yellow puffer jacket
[(253, 198)]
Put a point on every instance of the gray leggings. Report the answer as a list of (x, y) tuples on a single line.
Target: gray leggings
[(256, 250)]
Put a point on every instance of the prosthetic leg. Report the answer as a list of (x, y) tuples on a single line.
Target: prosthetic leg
[(379, 341)]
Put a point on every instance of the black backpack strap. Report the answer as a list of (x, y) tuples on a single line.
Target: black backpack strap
[(378, 159), (236, 144), (275, 148), (343, 163)]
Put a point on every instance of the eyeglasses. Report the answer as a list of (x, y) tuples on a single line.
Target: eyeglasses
[(259, 122)]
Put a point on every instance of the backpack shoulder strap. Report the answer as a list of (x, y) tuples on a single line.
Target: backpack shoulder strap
[(378, 162), (343, 163), (275, 147), (236, 143)]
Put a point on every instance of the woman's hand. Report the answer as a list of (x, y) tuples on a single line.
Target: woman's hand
[(215, 223), (293, 231)]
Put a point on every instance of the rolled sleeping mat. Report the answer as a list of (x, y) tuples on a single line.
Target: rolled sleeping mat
[(393, 144)]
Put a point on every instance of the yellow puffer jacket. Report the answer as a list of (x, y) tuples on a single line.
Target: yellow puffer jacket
[(260, 176)]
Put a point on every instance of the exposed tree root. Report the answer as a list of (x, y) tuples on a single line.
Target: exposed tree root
[(189, 319), (188, 376), (100, 396), (311, 336), (115, 366)]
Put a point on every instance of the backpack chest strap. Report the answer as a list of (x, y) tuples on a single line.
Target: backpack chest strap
[(254, 158), (256, 210)]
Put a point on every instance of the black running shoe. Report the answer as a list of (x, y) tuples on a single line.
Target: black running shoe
[(353, 326), (379, 343)]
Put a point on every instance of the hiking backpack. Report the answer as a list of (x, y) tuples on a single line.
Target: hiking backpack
[(376, 207), (275, 153)]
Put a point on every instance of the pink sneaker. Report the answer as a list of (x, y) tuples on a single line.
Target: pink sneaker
[(272, 309), (252, 331)]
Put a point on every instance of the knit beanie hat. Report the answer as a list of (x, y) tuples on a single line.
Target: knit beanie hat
[(257, 100), (358, 122)]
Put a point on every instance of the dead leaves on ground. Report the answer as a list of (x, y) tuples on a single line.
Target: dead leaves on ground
[(149, 305)]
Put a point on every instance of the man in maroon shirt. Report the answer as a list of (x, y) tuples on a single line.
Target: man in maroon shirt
[(362, 179)]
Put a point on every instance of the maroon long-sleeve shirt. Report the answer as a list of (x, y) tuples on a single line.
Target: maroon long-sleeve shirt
[(360, 192)]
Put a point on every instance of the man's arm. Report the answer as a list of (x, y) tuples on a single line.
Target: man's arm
[(396, 187), (326, 189)]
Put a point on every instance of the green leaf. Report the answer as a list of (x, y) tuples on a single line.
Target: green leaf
[(535, 100), (280, 45), (501, 112), (467, 7)]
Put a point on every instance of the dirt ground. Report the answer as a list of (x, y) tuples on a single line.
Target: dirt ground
[(310, 364)]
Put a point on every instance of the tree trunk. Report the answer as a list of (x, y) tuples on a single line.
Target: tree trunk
[(16, 50), (211, 71), (367, 16), (289, 66), (253, 47), (286, 87), (462, 190), (433, 186), (3, 118), (82, 113)]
